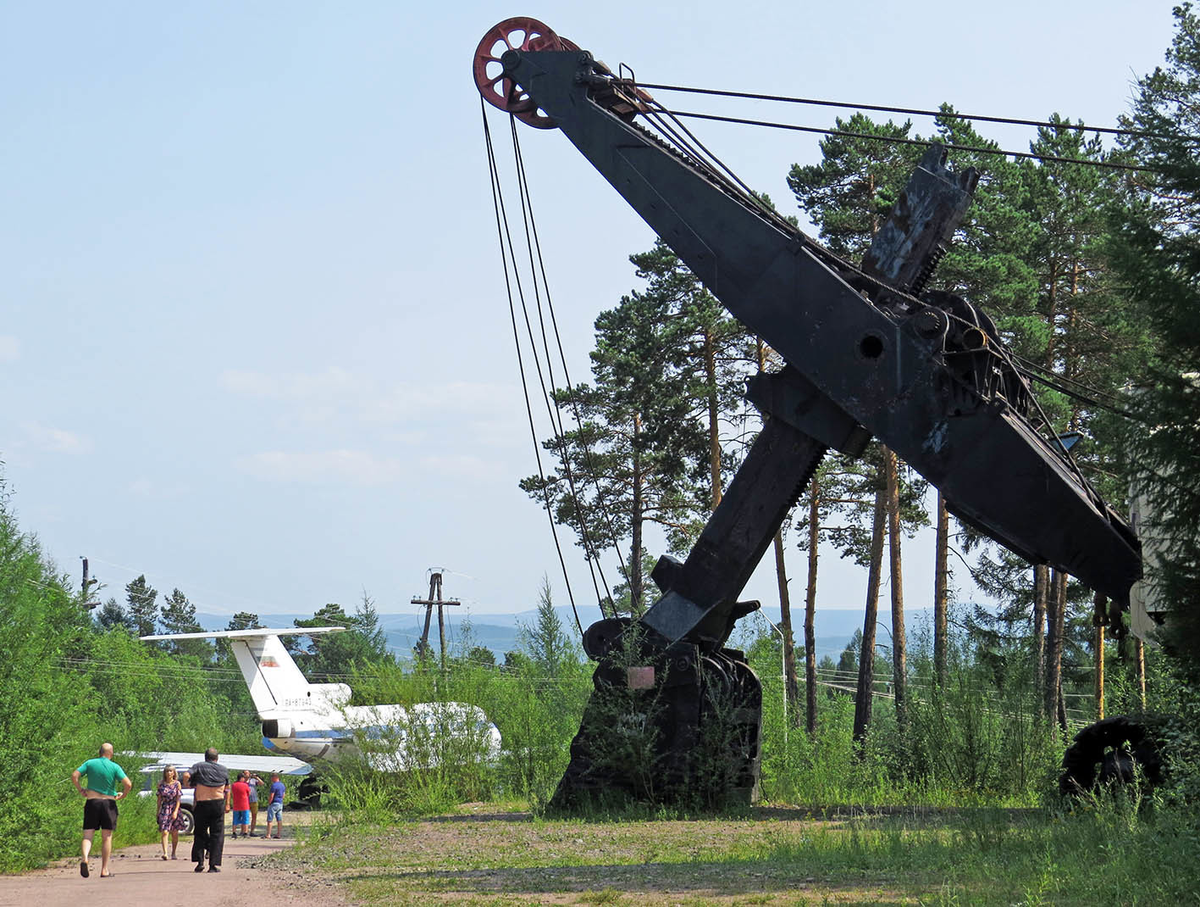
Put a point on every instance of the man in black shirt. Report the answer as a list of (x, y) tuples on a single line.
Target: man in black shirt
[(211, 782)]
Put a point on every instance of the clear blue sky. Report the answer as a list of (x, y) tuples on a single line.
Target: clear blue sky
[(254, 336)]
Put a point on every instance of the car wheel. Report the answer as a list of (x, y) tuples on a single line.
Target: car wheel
[(187, 820)]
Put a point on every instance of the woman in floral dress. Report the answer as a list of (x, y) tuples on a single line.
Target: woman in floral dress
[(170, 792)]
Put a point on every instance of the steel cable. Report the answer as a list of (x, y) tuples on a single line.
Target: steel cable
[(911, 111), (501, 230), (534, 242)]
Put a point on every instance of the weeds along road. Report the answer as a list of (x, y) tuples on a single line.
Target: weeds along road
[(140, 876)]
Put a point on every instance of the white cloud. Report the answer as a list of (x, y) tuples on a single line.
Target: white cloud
[(55, 440), (10, 350), (357, 467)]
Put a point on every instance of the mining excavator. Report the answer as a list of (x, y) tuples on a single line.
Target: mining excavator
[(869, 350)]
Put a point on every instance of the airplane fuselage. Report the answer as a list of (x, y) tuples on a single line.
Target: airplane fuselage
[(326, 733)]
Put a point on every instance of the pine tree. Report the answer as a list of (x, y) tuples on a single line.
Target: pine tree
[(244, 620), (637, 456), (850, 193), (334, 655), (715, 353), (111, 615), (849, 196), (545, 641), (143, 606), (1157, 251), (179, 616)]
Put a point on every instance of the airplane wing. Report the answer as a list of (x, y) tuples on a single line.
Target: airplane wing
[(285, 765), (246, 634)]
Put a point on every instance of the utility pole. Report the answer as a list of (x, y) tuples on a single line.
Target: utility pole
[(86, 587), (434, 600)]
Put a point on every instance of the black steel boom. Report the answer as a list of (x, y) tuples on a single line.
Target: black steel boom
[(890, 370)]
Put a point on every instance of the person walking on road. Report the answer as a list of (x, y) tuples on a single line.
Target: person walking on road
[(100, 804), (170, 796), (275, 806), (211, 782)]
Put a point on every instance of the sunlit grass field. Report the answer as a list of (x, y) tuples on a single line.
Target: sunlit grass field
[(485, 853)]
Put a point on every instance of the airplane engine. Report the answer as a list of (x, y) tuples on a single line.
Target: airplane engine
[(275, 728)]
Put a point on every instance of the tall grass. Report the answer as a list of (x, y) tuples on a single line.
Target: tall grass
[(537, 716)]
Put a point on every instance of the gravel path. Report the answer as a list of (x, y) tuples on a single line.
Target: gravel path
[(140, 876)]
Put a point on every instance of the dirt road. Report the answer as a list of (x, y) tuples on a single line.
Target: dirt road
[(140, 876)]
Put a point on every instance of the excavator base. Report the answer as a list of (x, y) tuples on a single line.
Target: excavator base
[(679, 728)]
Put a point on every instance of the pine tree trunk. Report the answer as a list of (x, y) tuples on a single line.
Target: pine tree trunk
[(635, 547), (1052, 315), (1041, 586), (899, 649), (1056, 623), (714, 436), (866, 660), (941, 582), (791, 687), (810, 607)]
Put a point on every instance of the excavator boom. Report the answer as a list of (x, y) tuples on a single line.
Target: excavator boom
[(868, 352)]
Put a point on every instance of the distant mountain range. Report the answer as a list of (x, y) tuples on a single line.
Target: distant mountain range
[(499, 632)]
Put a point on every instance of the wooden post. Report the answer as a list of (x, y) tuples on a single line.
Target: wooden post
[(1100, 619), (1140, 648), (810, 606), (899, 649)]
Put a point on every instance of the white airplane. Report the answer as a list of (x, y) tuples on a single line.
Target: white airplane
[(313, 720)]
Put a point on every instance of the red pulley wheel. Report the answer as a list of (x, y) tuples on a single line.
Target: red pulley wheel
[(517, 33)]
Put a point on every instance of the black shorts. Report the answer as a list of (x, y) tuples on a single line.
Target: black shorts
[(99, 814)]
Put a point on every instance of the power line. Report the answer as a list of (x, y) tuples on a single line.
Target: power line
[(912, 111)]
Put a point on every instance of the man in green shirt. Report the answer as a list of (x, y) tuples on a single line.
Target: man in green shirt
[(100, 806)]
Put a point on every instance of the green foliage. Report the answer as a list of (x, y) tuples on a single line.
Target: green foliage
[(976, 741), (332, 656), (850, 193), (179, 616), (536, 712), (546, 642), (1158, 254), (69, 685), (143, 606), (642, 446), (46, 720), (111, 615), (481, 655)]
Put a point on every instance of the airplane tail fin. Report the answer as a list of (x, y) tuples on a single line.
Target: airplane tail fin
[(271, 675)]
